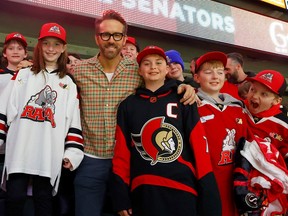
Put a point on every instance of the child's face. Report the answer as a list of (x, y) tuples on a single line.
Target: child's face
[(261, 98), (14, 53), (129, 50), (175, 71), (52, 49), (153, 68), (72, 62), (211, 79)]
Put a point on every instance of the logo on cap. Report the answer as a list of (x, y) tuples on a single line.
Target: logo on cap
[(272, 79), (52, 30), (55, 29), (17, 35), (268, 77)]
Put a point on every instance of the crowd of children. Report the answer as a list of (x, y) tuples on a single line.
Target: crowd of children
[(224, 155)]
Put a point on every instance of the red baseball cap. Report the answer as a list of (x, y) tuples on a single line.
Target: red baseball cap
[(133, 41), (210, 56), (272, 79), (150, 50), (52, 30), (16, 36)]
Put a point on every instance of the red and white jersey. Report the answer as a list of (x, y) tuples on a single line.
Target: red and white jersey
[(224, 123), (260, 179), (43, 117), (271, 125)]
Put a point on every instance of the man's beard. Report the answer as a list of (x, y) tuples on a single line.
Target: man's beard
[(233, 78), (110, 54)]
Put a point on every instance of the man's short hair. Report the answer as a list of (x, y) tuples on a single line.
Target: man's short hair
[(110, 15), (237, 57)]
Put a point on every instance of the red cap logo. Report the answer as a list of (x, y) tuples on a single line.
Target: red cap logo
[(53, 30), (16, 36)]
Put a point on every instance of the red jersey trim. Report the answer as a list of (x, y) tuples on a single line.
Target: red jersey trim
[(160, 181), (242, 171), (3, 127), (158, 96)]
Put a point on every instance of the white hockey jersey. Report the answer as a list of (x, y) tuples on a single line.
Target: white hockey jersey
[(43, 117)]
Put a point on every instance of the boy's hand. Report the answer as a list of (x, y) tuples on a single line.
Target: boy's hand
[(67, 164), (189, 96), (125, 212)]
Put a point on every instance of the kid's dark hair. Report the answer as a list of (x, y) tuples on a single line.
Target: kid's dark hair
[(77, 56), (39, 63), (109, 15)]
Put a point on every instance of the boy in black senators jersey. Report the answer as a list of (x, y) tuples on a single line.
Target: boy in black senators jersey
[(161, 163)]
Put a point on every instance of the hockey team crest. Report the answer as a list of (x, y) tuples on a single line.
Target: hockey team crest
[(158, 141), (41, 106), (228, 148)]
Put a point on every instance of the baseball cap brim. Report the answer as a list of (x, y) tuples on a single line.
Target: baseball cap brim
[(150, 50), (53, 30), (272, 79), (133, 41), (210, 56), (16, 36)]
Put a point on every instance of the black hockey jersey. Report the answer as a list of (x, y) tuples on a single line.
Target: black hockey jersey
[(161, 164)]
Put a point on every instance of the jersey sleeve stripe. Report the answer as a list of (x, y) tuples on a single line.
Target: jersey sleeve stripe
[(3, 128), (73, 138), (73, 145), (75, 131)]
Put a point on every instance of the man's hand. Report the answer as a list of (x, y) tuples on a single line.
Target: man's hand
[(189, 96), (24, 64)]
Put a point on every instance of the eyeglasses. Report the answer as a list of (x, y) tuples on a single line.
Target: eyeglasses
[(105, 36)]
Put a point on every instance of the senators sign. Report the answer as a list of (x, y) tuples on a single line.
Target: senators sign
[(198, 19), (278, 3)]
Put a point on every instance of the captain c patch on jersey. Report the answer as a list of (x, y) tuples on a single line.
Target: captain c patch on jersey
[(158, 141), (41, 106)]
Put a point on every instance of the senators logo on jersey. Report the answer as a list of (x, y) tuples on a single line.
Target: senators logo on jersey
[(41, 106), (158, 141)]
